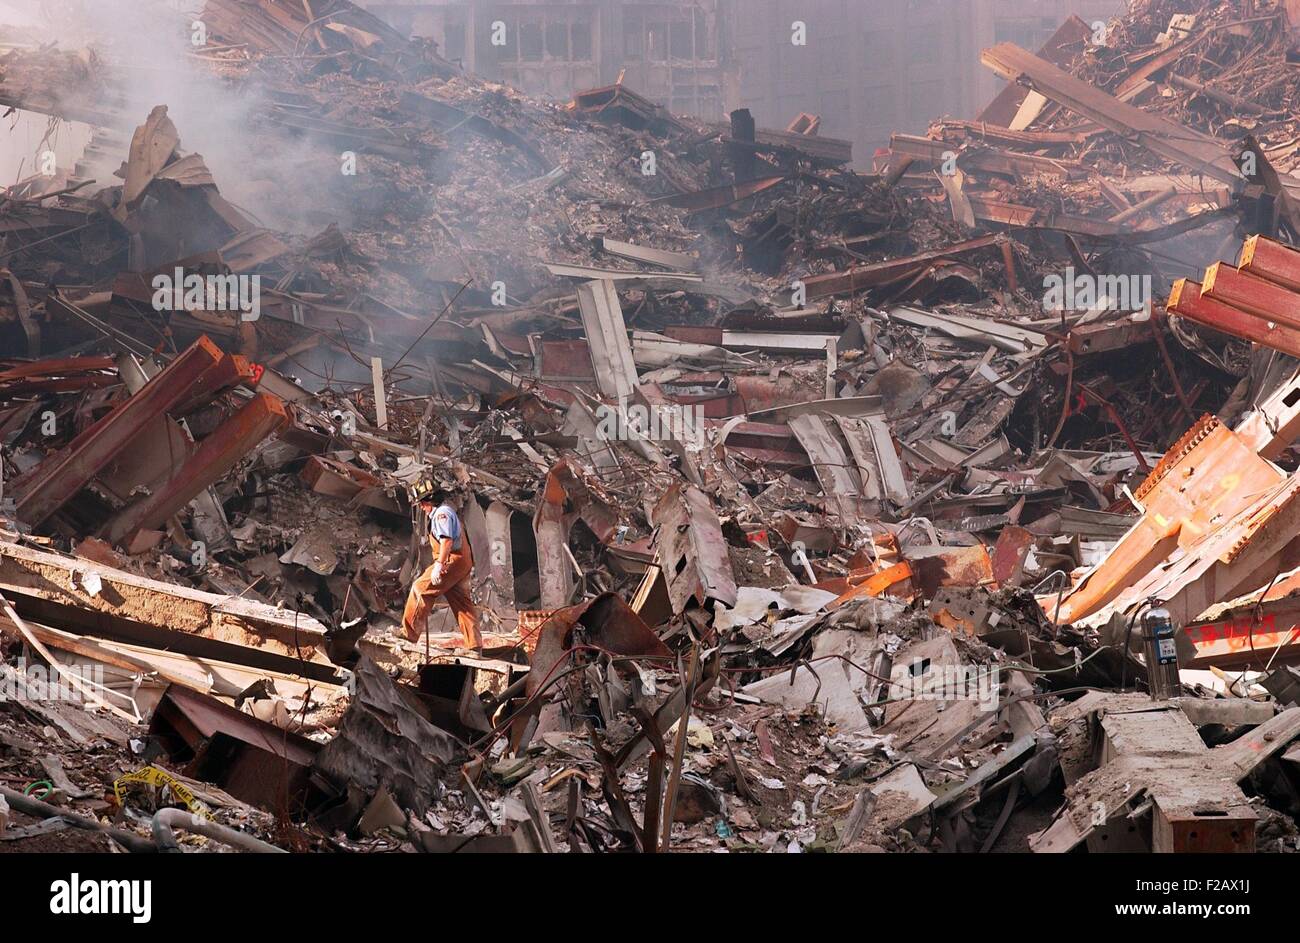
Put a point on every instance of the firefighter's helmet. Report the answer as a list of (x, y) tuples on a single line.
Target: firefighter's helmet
[(424, 489)]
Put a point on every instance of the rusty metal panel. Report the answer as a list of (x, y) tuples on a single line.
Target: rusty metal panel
[(565, 360), (691, 550), (1009, 554), (933, 567), (691, 334), (608, 623), (251, 759), (1250, 631), (770, 443), (346, 482)]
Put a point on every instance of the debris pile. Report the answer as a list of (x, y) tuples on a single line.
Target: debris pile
[(811, 510)]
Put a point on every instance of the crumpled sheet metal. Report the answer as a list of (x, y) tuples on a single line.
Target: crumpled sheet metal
[(607, 623), (691, 550), (383, 741)]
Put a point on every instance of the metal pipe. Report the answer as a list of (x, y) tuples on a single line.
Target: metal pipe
[(43, 810), (165, 820)]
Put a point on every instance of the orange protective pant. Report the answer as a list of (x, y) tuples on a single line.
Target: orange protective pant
[(454, 586)]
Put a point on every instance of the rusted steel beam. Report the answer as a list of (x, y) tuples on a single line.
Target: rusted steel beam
[(1187, 300), (1251, 632), (875, 586), (988, 160), (216, 455), (555, 568), (68, 366), (1237, 104), (1107, 336), (888, 272), (1033, 140), (54, 482), (57, 385), (1192, 149), (717, 197), (1276, 304), (1009, 263), (1153, 751), (1232, 556), (1151, 202), (1037, 217), (1157, 331), (1097, 399), (232, 371), (1060, 50), (1270, 261)]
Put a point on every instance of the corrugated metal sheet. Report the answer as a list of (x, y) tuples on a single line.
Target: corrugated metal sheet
[(838, 476), (611, 353)]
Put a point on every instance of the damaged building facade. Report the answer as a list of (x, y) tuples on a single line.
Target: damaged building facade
[(868, 69), (945, 505), (676, 53)]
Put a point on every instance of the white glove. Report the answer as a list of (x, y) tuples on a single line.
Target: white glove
[(437, 572)]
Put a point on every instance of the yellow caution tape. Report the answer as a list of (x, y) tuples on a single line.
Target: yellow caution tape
[(153, 776)]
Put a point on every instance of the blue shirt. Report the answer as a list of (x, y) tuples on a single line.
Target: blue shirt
[(444, 522)]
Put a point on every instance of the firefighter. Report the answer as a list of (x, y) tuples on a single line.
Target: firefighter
[(453, 566)]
